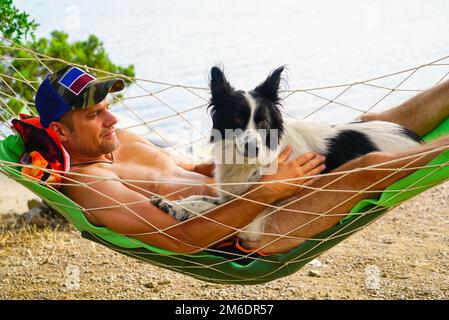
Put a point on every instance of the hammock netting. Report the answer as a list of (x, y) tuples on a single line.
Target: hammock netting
[(153, 109)]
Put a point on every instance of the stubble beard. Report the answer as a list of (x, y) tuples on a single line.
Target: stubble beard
[(109, 147), (102, 149)]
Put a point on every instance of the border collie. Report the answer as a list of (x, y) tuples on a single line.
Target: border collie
[(249, 125)]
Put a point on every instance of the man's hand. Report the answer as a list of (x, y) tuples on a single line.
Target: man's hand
[(309, 164), (206, 169)]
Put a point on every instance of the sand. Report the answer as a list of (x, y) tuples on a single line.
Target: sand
[(404, 255)]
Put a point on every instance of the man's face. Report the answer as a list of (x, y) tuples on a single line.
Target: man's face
[(93, 131)]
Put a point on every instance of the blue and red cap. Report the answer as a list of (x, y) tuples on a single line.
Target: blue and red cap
[(71, 88)]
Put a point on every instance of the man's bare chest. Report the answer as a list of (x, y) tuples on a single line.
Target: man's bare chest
[(139, 161)]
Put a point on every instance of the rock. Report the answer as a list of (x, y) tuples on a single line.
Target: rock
[(42, 215), (34, 203), (157, 289), (29, 215), (149, 285), (162, 282), (314, 273), (315, 263), (8, 219), (36, 216), (46, 207)]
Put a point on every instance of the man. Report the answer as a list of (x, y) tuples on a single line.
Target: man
[(118, 171)]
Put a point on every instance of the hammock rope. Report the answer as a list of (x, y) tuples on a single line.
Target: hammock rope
[(158, 96)]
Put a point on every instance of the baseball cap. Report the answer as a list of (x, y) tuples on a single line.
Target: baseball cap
[(71, 88)]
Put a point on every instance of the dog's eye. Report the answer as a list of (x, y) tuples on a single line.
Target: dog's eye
[(262, 123), (239, 121)]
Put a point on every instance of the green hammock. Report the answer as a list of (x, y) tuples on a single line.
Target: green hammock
[(209, 267)]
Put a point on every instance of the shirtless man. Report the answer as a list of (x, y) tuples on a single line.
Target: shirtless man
[(102, 157)]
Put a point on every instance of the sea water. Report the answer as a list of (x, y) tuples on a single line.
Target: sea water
[(322, 43)]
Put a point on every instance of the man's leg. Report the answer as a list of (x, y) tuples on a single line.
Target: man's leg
[(331, 205), (421, 113)]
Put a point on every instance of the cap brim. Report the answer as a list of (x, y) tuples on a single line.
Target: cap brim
[(97, 90), (114, 85)]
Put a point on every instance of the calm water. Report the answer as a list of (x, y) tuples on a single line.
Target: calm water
[(322, 43)]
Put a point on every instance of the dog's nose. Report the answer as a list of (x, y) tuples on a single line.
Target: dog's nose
[(251, 150)]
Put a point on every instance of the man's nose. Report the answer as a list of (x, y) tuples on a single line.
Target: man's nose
[(110, 119)]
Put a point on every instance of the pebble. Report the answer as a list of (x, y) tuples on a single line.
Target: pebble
[(34, 203), (30, 214), (315, 263), (314, 273), (149, 285)]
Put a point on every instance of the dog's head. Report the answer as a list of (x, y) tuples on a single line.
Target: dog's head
[(252, 119)]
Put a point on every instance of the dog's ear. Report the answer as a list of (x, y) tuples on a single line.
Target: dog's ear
[(270, 87), (219, 86)]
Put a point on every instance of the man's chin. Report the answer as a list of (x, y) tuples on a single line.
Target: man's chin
[(111, 146)]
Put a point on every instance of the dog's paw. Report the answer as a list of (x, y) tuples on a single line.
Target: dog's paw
[(156, 201), (196, 205), (186, 208), (171, 208)]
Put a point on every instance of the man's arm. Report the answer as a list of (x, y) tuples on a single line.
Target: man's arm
[(206, 168), (125, 211)]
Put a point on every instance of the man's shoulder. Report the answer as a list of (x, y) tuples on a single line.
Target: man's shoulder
[(128, 137)]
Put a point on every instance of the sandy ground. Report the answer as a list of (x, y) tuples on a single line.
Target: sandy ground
[(404, 255)]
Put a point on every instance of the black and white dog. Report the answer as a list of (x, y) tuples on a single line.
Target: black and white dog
[(250, 125)]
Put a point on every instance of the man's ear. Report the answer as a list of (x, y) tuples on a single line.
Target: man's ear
[(219, 86), (270, 87), (61, 130)]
